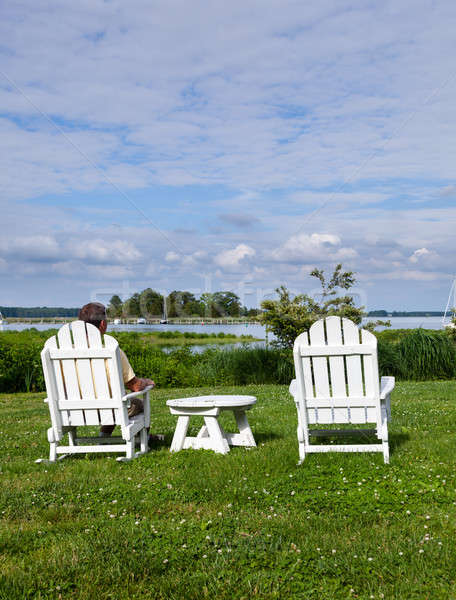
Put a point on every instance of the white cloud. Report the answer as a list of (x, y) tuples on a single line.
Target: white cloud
[(37, 248), (108, 252), (274, 110), (231, 259), (264, 104), (317, 246), (172, 257), (414, 258), (412, 275)]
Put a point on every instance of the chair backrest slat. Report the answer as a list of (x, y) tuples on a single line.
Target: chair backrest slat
[(306, 366), (354, 372), (370, 364), (319, 363)]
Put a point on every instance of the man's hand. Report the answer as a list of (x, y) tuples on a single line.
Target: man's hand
[(137, 384)]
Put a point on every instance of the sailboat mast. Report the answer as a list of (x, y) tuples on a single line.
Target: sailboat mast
[(450, 305)]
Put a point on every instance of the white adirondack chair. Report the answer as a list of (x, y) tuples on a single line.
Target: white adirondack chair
[(337, 382), (76, 363)]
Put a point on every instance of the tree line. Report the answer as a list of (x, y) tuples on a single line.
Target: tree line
[(19, 312), (150, 303)]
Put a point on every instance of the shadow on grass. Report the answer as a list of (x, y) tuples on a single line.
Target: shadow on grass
[(267, 437), (396, 440)]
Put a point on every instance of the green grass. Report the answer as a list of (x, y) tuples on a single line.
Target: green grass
[(249, 524)]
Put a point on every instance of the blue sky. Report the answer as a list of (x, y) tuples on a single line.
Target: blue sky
[(236, 145)]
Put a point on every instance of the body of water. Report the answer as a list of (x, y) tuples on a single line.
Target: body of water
[(255, 330)]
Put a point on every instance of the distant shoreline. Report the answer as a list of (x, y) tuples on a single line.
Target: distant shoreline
[(47, 317)]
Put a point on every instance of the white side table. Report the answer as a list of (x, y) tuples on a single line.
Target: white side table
[(211, 436)]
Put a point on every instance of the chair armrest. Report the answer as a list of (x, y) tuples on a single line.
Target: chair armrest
[(136, 394), (293, 389), (146, 402), (386, 386)]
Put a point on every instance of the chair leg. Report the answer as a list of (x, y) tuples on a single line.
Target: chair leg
[(301, 446), (386, 456), (144, 441), (384, 434), (303, 438), (53, 452), (72, 437), (129, 451)]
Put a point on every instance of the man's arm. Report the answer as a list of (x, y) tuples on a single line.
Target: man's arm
[(137, 384)]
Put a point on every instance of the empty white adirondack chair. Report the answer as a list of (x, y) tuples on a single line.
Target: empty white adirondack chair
[(337, 382), (76, 363)]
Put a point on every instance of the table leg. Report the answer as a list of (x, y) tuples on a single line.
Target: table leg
[(219, 443), (245, 437), (180, 433)]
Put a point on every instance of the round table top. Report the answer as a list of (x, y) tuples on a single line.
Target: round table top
[(223, 401)]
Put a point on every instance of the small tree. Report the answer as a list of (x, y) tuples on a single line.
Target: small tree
[(132, 306), (287, 317), (115, 307), (183, 304), (151, 303)]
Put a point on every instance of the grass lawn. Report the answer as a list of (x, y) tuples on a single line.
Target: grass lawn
[(248, 524)]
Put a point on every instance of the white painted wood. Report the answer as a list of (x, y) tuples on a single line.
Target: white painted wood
[(70, 376), (219, 443), (245, 436), (84, 385), (356, 349), (211, 436), (340, 387), (180, 433), (319, 363), (223, 401), (336, 369)]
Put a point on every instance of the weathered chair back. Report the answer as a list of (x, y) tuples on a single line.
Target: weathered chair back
[(83, 378), (336, 368)]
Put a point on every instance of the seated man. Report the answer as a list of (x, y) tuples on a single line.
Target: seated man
[(95, 314)]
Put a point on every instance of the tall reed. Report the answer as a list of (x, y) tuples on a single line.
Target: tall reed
[(425, 355)]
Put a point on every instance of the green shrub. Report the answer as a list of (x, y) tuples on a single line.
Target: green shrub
[(418, 355)]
